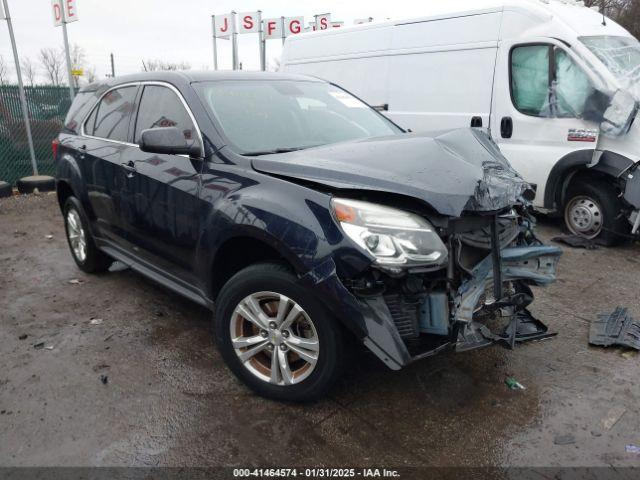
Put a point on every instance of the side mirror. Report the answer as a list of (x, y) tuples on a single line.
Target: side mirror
[(618, 116), (168, 140)]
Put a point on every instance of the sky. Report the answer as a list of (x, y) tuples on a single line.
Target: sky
[(173, 30)]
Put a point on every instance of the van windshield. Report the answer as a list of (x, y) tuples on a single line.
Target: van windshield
[(271, 116), (621, 56)]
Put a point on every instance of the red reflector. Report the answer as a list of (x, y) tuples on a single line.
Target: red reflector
[(54, 148)]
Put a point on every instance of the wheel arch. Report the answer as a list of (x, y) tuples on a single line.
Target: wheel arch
[(574, 166)]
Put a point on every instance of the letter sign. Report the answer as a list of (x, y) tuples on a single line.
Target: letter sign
[(293, 25), (323, 22), (249, 22), (224, 29), (272, 27), (70, 11), (57, 13)]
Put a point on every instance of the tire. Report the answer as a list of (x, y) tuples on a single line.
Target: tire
[(308, 383), (93, 260), (42, 182), (5, 190), (593, 210)]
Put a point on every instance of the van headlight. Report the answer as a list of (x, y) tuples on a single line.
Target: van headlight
[(394, 237)]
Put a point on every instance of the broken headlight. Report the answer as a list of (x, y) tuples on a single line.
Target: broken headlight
[(394, 237)]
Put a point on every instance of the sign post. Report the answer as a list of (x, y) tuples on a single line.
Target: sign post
[(263, 45), (234, 41), (65, 11), (215, 46), (4, 13)]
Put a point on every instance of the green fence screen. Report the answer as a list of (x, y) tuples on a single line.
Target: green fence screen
[(47, 105)]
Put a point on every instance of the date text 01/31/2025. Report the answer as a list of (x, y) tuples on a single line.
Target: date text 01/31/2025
[(316, 472)]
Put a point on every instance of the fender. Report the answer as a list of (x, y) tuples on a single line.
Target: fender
[(609, 163), (68, 171)]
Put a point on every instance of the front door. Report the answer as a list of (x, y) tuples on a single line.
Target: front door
[(163, 223), (539, 96)]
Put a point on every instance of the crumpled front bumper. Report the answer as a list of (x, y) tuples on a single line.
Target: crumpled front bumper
[(370, 319)]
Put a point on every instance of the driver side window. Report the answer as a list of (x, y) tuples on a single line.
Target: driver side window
[(546, 82)]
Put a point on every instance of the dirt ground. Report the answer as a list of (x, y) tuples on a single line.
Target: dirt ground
[(169, 400)]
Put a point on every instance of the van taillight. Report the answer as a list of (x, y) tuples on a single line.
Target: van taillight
[(54, 148)]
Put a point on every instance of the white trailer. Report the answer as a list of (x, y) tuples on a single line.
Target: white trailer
[(539, 74)]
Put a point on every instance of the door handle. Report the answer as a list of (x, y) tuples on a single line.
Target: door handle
[(506, 127), (130, 167)]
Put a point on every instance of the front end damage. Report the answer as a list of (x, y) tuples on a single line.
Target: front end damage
[(478, 299)]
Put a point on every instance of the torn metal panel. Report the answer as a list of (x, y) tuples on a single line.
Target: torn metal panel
[(536, 264), (615, 328), (461, 170)]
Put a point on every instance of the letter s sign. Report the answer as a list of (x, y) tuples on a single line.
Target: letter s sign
[(249, 22)]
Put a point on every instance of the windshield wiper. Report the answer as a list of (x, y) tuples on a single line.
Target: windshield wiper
[(277, 150)]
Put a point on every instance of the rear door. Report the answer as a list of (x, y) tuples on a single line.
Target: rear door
[(162, 221), (539, 97), (105, 135)]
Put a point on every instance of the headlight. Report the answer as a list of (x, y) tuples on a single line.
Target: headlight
[(394, 237)]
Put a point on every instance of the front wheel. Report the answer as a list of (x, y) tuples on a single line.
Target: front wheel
[(276, 336), (593, 211)]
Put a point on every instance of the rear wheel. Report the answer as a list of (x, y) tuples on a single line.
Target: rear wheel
[(86, 254), (276, 336), (593, 210)]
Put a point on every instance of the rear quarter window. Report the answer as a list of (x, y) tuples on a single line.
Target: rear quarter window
[(81, 105)]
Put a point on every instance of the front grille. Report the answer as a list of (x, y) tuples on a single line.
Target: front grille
[(481, 238), (404, 314)]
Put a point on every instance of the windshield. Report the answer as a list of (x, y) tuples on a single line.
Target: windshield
[(264, 116), (621, 56)]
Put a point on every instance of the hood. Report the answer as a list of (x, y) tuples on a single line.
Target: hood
[(461, 170)]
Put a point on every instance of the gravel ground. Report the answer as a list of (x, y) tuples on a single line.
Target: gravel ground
[(169, 400)]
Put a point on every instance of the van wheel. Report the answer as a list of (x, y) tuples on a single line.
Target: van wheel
[(276, 336), (593, 210), (87, 256)]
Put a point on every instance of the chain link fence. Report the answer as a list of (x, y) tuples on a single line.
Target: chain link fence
[(47, 105)]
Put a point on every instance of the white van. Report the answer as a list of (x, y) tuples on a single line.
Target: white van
[(555, 82)]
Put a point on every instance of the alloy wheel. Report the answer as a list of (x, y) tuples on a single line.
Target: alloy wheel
[(76, 235), (274, 338)]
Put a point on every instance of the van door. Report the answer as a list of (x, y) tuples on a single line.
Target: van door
[(539, 97)]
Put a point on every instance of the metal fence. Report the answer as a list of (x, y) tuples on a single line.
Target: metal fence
[(47, 105)]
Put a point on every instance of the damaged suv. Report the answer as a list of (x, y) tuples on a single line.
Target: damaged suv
[(302, 217)]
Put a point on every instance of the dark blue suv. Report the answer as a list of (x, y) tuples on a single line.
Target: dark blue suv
[(303, 218)]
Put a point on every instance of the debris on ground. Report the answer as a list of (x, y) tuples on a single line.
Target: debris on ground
[(95, 321), (613, 416), (564, 439), (48, 237), (615, 328), (630, 448), (49, 347), (38, 345), (575, 241), (513, 384), (101, 366), (104, 379), (629, 354), (75, 281), (23, 336)]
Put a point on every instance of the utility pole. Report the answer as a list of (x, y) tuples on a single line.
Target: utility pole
[(68, 55), (23, 97), (113, 68)]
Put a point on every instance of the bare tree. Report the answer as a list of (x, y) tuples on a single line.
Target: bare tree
[(4, 71), (78, 57), (29, 70), (156, 65), (52, 61)]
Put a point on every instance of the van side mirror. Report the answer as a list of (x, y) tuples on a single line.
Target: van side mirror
[(619, 114), (168, 140)]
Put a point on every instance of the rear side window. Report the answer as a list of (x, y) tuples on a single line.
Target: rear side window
[(111, 118), (161, 107), (79, 108)]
